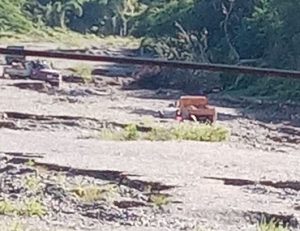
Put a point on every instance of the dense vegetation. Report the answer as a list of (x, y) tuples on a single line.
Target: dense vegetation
[(261, 33)]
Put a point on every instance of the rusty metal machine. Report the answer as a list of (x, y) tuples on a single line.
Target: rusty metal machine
[(196, 108)]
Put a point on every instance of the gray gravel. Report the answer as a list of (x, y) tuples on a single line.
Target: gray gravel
[(219, 186)]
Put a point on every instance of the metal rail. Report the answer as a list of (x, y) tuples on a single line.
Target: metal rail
[(157, 62)]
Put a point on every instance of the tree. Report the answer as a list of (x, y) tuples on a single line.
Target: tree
[(96, 18), (57, 12), (124, 11)]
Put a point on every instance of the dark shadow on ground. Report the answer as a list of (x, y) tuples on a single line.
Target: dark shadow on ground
[(256, 217), (118, 177), (226, 117), (114, 70), (264, 111), (25, 119), (101, 51), (141, 111), (294, 185), (158, 94), (25, 155)]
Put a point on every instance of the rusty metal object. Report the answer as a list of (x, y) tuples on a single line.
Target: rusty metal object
[(158, 62), (196, 108), (195, 101)]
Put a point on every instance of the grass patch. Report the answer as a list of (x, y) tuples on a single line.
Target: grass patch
[(130, 132), (68, 39), (30, 163), (184, 131), (29, 207), (7, 207), (32, 183), (159, 200), (33, 207), (273, 225), (84, 71), (95, 193)]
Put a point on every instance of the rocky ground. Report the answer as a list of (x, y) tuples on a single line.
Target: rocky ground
[(49, 152)]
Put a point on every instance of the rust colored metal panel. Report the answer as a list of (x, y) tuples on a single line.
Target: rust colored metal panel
[(207, 112), (203, 112), (196, 101)]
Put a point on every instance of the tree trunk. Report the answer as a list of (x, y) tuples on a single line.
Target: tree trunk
[(62, 19), (114, 25), (125, 22)]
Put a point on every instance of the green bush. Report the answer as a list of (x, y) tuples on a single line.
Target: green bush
[(130, 132), (28, 207), (201, 132), (184, 131), (273, 225)]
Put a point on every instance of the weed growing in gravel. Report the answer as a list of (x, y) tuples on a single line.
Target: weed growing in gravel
[(30, 163), (131, 132), (7, 207), (159, 200), (29, 207), (273, 225), (32, 183), (95, 193), (184, 131), (33, 207)]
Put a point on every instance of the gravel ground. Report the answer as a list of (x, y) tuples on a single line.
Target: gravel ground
[(217, 186)]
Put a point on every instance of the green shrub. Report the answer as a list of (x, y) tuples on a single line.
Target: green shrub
[(29, 207), (33, 207), (84, 71), (159, 134), (200, 132), (131, 132), (7, 207), (184, 131), (273, 225), (159, 200)]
